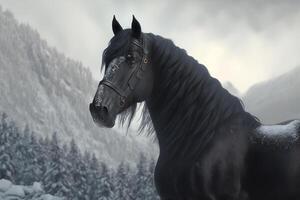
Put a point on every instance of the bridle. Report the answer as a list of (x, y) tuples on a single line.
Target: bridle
[(136, 71)]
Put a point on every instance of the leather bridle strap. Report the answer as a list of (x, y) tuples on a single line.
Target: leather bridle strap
[(113, 87), (136, 75)]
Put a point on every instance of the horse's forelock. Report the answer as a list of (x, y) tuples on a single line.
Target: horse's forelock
[(118, 45)]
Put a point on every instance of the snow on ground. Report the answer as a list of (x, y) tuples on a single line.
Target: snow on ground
[(9, 191)]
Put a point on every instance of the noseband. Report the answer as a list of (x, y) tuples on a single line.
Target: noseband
[(136, 71)]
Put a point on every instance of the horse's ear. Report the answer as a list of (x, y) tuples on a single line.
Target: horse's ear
[(116, 26), (135, 28)]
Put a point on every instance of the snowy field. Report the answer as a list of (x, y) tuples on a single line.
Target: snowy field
[(9, 191)]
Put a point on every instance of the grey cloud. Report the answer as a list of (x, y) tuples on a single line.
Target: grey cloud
[(240, 41)]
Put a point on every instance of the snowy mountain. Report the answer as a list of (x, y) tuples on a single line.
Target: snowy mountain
[(277, 99), (46, 90)]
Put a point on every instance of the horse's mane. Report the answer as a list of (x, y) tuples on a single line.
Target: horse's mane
[(186, 91), (191, 100)]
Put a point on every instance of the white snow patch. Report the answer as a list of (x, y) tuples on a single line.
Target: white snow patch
[(37, 187), (287, 130), (15, 191), (4, 185), (8, 191), (49, 197)]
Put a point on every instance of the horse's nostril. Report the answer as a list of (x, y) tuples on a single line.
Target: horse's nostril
[(97, 107), (103, 113), (102, 116), (104, 110)]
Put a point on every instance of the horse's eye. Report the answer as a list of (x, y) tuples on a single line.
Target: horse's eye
[(129, 56)]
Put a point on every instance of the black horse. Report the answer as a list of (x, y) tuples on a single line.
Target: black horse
[(210, 147)]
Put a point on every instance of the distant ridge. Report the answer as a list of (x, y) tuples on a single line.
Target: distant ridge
[(277, 99)]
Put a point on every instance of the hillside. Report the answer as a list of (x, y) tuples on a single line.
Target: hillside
[(277, 99), (46, 90)]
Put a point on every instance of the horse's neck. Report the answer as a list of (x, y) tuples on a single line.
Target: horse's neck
[(186, 100)]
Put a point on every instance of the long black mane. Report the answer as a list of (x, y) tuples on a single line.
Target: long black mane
[(190, 99)]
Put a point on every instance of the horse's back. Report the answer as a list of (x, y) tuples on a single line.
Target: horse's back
[(273, 162), (284, 132)]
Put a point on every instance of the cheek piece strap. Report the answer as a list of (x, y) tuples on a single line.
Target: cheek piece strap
[(136, 74)]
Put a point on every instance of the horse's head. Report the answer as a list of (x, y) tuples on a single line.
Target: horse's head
[(128, 76)]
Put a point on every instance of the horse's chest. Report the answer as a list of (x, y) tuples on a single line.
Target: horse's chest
[(177, 178)]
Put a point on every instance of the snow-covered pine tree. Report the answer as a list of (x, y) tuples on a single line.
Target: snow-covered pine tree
[(94, 178), (72, 157), (106, 185), (8, 132), (43, 156), (140, 180), (56, 179), (65, 150), (82, 181), (87, 157), (22, 157), (78, 172), (87, 162), (35, 169), (122, 189)]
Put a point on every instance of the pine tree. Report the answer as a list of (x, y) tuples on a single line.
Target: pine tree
[(140, 189), (65, 150), (94, 178), (8, 132), (25, 159), (43, 156), (81, 182), (106, 186), (56, 179), (78, 172), (121, 183), (33, 170), (88, 179), (87, 157)]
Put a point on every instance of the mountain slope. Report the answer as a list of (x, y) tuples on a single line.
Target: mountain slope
[(42, 88), (277, 99)]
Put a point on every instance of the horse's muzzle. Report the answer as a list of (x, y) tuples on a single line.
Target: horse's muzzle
[(101, 116)]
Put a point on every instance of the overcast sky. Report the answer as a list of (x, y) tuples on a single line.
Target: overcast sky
[(243, 42)]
